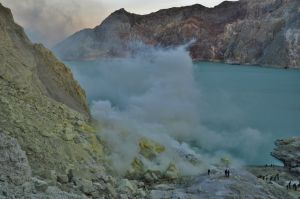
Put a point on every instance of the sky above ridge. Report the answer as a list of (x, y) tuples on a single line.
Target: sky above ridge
[(50, 21)]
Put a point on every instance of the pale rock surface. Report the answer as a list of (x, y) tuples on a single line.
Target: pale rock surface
[(14, 166), (288, 152), (240, 184)]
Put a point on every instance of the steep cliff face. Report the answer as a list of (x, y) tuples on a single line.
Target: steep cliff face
[(288, 152), (43, 107), (244, 32), (34, 67)]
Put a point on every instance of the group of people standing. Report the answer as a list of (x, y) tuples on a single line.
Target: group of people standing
[(293, 186), (271, 178), (227, 172)]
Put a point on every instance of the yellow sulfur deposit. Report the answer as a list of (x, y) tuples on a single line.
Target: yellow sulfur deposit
[(150, 149)]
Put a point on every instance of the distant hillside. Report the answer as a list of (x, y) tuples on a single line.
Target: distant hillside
[(260, 32)]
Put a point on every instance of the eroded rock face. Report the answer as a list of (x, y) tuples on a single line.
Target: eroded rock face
[(245, 32), (16, 180), (14, 166), (50, 148), (33, 67), (288, 151), (44, 108)]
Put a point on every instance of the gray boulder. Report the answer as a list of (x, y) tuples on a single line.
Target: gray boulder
[(14, 166), (288, 151)]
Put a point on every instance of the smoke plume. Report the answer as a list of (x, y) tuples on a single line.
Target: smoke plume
[(49, 22), (154, 95)]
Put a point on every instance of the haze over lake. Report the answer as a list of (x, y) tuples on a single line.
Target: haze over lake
[(265, 99), (241, 110)]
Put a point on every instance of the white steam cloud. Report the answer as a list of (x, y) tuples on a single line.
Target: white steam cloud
[(49, 22), (154, 95)]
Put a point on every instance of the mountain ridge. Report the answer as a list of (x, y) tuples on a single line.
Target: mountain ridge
[(241, 32)]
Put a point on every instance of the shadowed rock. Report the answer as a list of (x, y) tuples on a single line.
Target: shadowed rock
[(288, 152), (259, 32), (35, 67)]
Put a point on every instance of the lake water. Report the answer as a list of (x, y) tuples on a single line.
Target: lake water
[(265, 100)]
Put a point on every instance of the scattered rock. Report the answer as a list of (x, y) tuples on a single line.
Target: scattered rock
[(141, 193), (111, 190), (14, 166), (69, 134), (123, 196), (154, 194), (163, 187), (151, 176), (63, 179), (40, 185), (100, 187), (55, 192), (125, 186), (86, 186)]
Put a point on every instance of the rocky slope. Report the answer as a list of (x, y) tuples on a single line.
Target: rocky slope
[(31, 66), (263, 32), (267, 176), (44, 116), (288, 152), (241, 184)]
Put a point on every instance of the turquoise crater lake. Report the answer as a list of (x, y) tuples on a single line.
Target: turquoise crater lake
[(266, 99), (233, 97)]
